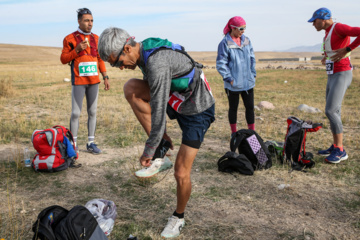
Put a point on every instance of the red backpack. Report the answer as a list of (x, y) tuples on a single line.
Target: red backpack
[(55, 149), (295, 139)]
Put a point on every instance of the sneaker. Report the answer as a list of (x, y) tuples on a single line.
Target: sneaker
[(173, 227), (157, 165), (326, 152), (92, 147), (336, 156)]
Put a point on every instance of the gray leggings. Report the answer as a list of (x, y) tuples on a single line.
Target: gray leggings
[(77, 96), (336, 87)]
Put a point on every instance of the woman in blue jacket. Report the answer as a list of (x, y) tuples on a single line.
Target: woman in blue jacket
[(236, 64)]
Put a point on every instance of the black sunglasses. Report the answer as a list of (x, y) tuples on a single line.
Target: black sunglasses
[(84, 11), (117, 63)]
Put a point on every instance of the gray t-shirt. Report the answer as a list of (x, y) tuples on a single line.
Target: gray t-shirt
[(161, 68)]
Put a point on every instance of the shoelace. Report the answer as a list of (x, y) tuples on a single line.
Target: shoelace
[(336, 153), (154, 164), (92, 144)]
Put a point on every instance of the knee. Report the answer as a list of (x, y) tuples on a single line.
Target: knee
[(75, 114), (329, 113), (129, 89), (92, 112), (233, 109), (181, 176)]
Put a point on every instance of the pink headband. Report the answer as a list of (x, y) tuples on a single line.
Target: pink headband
[(236, 21)]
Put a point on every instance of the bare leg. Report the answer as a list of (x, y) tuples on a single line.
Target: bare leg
[(137, 93), (183, 165)]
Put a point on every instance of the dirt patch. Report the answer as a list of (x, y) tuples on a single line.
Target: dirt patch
[(222, 206)]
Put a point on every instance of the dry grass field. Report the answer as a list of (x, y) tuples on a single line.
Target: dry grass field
[(323, 203)]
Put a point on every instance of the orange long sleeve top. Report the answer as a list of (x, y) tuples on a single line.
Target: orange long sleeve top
[(69, 55)]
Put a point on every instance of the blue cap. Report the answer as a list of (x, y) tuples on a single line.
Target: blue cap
[(321, 13)]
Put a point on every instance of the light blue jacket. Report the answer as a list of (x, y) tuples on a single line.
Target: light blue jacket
[(236, 63)]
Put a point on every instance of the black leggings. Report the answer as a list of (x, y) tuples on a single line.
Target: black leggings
[(248, 99)]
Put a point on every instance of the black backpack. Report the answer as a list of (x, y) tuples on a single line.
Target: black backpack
[(233, 162), (47, 221), (295, 140), (249, 143), (57, 223)]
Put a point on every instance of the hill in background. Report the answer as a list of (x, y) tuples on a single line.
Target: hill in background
[(12, 54), (315, 48), (23, 52)]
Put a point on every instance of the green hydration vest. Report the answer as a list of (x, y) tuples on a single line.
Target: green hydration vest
[(152, 45)]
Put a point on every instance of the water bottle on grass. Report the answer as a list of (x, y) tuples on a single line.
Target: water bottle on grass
[(27, 161)]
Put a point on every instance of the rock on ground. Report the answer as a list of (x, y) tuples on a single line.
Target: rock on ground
[(306, 108), (266, 105)]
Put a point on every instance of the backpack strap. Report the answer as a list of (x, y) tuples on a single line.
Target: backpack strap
[(182, 50), (67, 133), (92, 42), (62, 128), (73, 165), (235, 141), (233, 162), (227, 155)]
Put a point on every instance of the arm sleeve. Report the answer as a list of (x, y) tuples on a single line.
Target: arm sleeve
[(68, 54), (252, 60), (345, 30), (159, 78), (222, 62)]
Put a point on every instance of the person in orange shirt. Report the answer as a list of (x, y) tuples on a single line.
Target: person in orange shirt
[(81, 53)]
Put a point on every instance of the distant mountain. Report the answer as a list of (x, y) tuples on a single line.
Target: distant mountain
[(315, 48)]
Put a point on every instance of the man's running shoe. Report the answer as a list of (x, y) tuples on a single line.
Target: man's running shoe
[(161, 150), (157, 165), (92, 147), (336, 156), (326, 152), (173, 227)]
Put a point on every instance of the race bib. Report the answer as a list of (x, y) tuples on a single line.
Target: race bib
[(329, 66), (175, 100), (88, 69)]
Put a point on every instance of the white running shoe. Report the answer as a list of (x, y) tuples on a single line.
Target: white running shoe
[(157, 165), (173, 227)]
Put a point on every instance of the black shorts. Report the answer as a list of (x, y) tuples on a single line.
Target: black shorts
[(194, 126)]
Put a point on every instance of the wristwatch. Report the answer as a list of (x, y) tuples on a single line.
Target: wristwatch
[(106, 77), (348, 49)]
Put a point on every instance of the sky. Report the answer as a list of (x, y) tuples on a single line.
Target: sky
[(197, 25)]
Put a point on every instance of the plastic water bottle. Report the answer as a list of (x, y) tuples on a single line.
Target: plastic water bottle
[(27, 158)]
